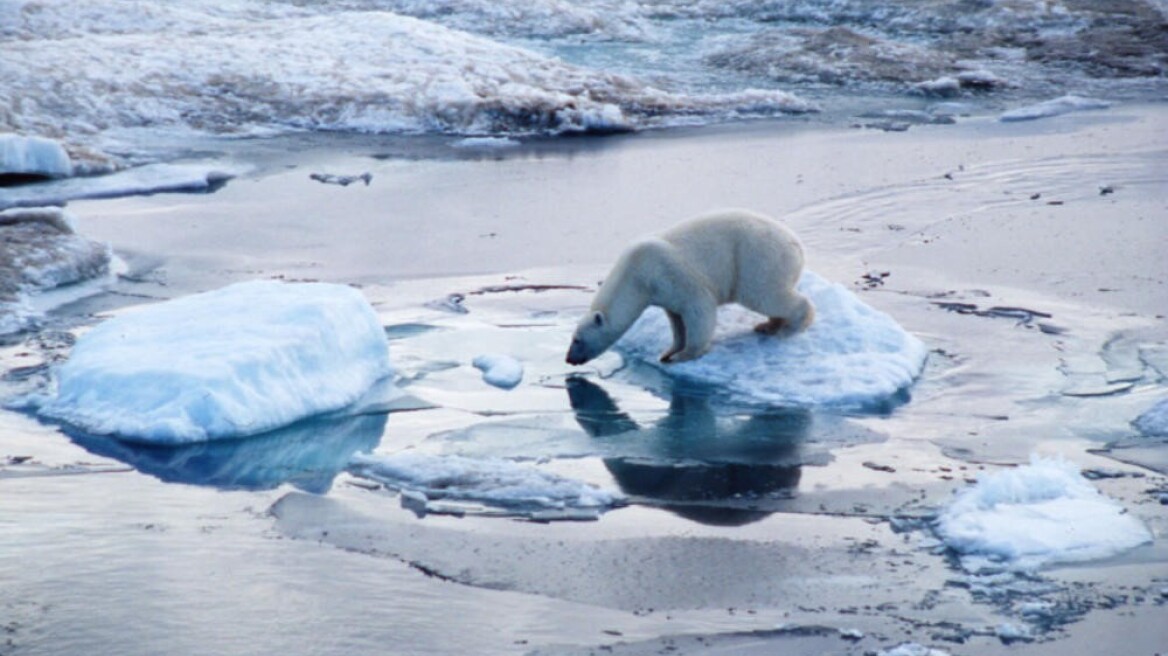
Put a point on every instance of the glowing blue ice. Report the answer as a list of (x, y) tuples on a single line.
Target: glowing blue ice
[(237, 361)]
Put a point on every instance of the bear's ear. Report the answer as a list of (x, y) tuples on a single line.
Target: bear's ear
[(598, 319)]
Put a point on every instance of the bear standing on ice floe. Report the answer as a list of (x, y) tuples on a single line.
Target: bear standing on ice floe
[(733, 256)]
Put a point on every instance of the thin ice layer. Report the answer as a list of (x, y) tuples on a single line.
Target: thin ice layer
[(1055, 107), (492, 481), (852, 356), (1036, 515), (1154, 421), (237, 361)]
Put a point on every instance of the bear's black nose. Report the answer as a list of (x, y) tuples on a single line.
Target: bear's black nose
[(577, 353)]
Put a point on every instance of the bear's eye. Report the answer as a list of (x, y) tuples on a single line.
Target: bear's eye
[(598, 319)]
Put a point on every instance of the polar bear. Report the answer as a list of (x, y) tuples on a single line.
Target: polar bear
[(733, 256)]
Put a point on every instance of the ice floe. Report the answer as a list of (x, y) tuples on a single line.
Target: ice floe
[(1154, 421), (503, 484), (852, 357), (34, 157), (233, 362), (39, 252), (148, 179), (1055, 107), (500, 370), (1033, 516)]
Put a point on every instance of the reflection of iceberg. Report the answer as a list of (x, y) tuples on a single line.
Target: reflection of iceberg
[(307, 455), (853, 357), (700, 462)]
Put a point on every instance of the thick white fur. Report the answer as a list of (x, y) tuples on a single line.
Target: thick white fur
[(734, 256)]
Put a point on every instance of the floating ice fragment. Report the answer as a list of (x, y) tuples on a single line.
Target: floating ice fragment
[(502, 371), (852, 356), (493, 481), (194, 177), (1033, 516), (40, 252), (34, 157), (1055, 107), (237, 361), (1154, 422), (912, 649), (486, 143)]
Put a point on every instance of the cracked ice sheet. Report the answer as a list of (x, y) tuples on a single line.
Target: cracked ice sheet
[(629, 560)]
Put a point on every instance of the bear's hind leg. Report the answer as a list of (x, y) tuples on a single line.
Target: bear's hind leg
[(771, 326)]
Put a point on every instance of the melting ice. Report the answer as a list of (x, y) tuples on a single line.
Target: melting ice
[(853, 356), (237, 361), (504, 484), (40, 251), (1036, 515)]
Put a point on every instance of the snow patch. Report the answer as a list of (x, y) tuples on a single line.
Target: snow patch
[(238, 361), (1033, 516), (852, 356), (502, 371), (33, 156), (496, 482), (1056, 107), (1154, 422)]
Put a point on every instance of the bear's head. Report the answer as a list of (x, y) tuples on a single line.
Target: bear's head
[(594, 334)]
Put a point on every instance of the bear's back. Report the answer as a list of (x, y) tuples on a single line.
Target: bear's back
[(737, 247)]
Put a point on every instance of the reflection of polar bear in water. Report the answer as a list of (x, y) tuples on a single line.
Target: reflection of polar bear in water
[(689, 270)]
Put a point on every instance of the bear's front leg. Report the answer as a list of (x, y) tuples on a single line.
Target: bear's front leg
[(678, 327), (698, 320)]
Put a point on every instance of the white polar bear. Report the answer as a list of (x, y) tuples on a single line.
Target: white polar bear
[(734, 256)]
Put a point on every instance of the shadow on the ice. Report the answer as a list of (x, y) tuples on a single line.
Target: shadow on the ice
[(706, 468), (307, 455)]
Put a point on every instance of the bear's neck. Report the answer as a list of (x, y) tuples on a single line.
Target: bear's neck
[(623, 297)]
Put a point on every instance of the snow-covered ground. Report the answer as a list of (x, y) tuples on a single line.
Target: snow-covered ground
[(233, 362)]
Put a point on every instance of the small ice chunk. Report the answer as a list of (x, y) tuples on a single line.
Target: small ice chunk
[(502, 371), (1055, 107), (34, 157), (493, 481), (1036, 515), (1009, 632), (852, 356), (486, 143), (237, 361), (912, 649), (1154, 422)]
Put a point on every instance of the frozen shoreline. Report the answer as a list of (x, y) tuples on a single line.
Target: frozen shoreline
[(948, 212)]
